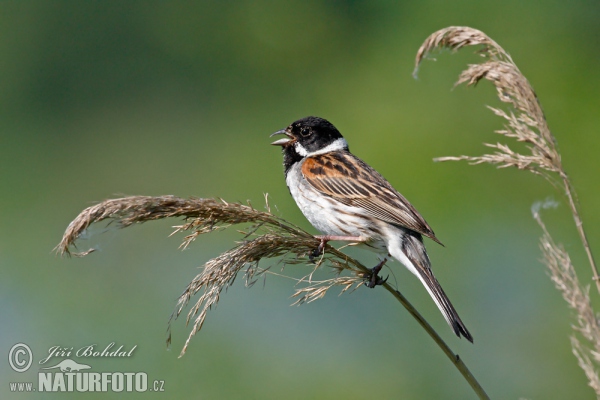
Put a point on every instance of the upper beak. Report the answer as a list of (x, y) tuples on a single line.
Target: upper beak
[(282, 142)]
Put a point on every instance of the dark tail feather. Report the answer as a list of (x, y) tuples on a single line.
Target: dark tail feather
[(413, 249), (444, 304)]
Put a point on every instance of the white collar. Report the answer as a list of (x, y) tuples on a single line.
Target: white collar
[(336, 145)]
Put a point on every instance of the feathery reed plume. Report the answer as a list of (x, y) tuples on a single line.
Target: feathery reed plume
[(526, 123), (266, 237), (565, 279)]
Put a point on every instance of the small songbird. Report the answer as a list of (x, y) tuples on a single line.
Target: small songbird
[(347, 200)]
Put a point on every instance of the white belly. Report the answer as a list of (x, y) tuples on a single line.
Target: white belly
[(319, 210), (381, 237)]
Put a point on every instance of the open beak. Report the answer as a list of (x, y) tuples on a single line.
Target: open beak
[(285, 141)]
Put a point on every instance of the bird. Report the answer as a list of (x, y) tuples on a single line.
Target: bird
[(347, 200)]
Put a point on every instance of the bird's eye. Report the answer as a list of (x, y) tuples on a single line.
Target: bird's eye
[(305, 132)]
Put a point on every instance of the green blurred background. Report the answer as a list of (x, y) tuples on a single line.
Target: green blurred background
[(101, 99)]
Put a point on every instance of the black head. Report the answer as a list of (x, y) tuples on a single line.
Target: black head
[(309, 136)]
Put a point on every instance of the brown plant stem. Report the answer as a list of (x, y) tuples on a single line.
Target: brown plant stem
[(207, 215), (454, 358), (580, 230)]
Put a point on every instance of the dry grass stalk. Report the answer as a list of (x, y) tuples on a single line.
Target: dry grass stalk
[(209, 214), (268, 237), (564, 277), (586, 364), (525, 122), (221, 271), (317, 289)]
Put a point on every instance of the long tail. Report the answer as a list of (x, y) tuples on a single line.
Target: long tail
[(414, 257), (444, 304)]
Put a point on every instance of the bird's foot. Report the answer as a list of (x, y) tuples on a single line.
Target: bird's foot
[(319, 250), (326, 238), (373, 279)]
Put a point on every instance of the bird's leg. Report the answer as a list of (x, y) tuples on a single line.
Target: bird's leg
[(326, 238), (373, 277), (319, 250)]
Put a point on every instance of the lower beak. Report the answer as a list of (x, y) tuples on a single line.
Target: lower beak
[(282, 142)]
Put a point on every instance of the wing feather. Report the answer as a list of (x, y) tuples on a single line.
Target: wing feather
[(352, 182)]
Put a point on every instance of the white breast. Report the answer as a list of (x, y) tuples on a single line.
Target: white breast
[(324, 213)]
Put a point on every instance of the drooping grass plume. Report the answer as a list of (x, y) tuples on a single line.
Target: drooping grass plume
[(208, 214), (563, 275), (267, 236), (525, 122), (266, 239)]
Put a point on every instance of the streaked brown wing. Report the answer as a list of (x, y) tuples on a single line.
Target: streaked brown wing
[(351, 181)]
